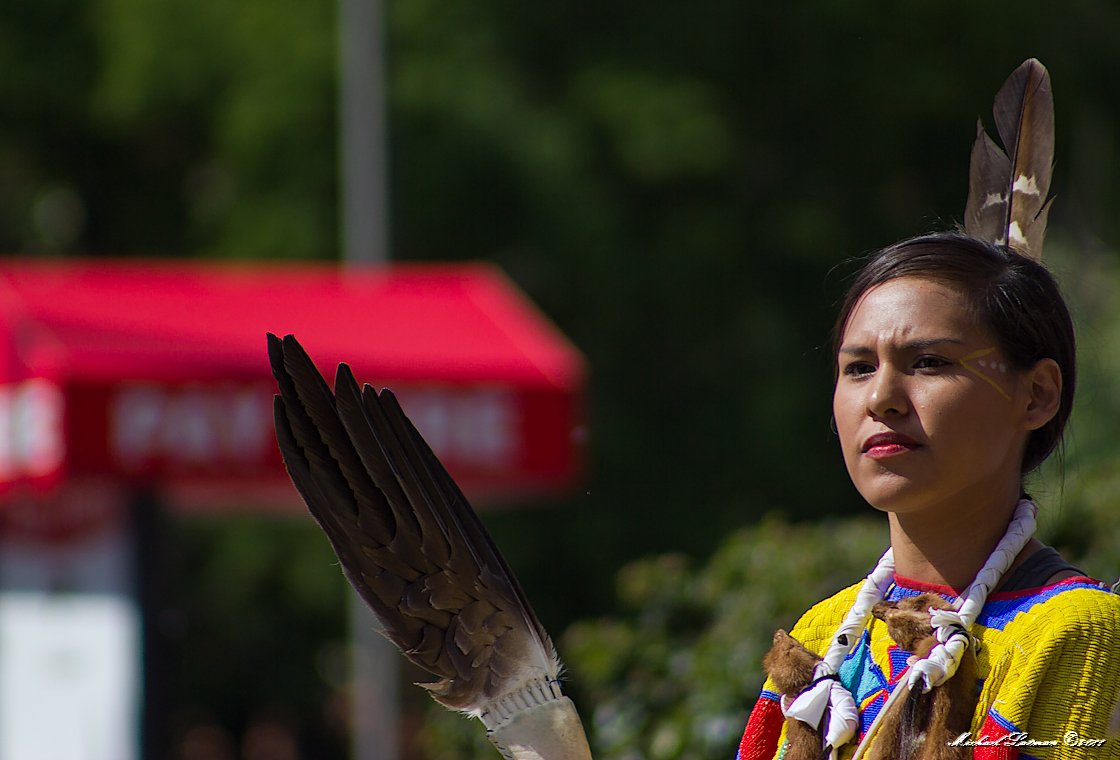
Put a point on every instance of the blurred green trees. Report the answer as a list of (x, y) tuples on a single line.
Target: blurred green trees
[(674, 185)]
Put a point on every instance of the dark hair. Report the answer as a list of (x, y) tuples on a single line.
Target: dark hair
[(1013, 296)]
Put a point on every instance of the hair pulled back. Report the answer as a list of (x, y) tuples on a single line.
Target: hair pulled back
[(1014, 297)]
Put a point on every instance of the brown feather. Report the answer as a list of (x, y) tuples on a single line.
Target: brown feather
[(407, 539), (985, 216), (1008, 198)]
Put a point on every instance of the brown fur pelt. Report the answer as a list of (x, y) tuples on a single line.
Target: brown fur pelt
[(922, 726), (790, 666)]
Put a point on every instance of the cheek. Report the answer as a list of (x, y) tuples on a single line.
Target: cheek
[(969, 416), (971, 397), (847, 410)]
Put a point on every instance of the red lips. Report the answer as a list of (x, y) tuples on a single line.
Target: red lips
[(882, 445)]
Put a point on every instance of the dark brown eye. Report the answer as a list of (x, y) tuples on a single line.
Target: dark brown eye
[(930, 362), (856, 369)]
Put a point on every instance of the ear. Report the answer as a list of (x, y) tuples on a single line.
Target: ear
[(1044, 388)]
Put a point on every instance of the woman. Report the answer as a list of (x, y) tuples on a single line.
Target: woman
[(955, 378)]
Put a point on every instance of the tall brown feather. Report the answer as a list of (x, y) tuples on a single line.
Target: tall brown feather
[(407, 539), (1008, 193)]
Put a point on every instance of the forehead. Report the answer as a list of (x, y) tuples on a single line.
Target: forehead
[(911, 308)]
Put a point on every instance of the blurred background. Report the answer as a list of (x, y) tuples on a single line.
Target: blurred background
[(681, 189)]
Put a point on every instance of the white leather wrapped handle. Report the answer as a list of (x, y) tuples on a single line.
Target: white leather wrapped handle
[(536, 723), (550, 731)]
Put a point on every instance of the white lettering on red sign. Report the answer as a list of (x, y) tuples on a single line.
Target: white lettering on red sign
[(231, 426), (192, 426), (32, 444), (476, 427)]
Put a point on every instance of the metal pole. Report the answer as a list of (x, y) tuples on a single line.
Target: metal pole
[(362, 148), (376, 677), (365, 240)]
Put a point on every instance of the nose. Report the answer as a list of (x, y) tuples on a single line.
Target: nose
[(887, 393)]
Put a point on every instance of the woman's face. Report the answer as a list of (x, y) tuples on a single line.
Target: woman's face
[(927, 410)]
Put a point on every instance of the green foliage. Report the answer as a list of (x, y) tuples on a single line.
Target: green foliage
[(1080, 489), (244, 96)]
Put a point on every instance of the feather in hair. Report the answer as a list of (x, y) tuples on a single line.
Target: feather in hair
[(1008, 199)]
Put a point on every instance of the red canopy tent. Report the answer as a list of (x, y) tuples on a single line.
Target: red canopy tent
[(155, 372)]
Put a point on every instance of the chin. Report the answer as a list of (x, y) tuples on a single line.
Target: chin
[(890, 492)]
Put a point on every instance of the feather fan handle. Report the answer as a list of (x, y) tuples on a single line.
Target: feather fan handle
[(418, 555), (1008, 193)]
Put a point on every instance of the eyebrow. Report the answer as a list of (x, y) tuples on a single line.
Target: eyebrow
[(914, 345)]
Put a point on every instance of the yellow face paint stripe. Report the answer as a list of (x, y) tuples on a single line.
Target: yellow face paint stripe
[(964, 362)]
